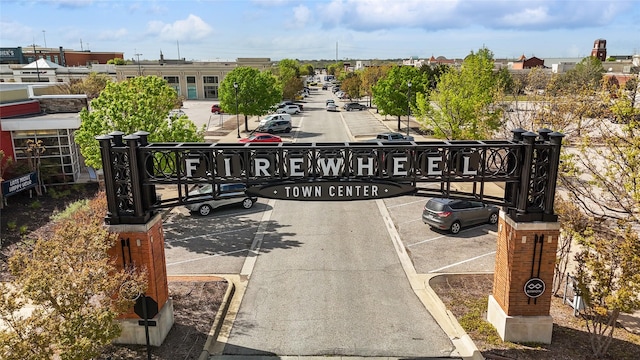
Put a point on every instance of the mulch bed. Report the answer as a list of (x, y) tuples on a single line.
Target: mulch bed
[(570, 341)]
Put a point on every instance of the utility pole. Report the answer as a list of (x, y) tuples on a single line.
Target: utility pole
[(139, 68), (45, 38), (35, 56)]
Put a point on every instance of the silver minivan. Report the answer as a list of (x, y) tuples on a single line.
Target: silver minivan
[(275, 126), (227, 194)]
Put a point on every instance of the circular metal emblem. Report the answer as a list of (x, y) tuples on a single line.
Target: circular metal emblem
[(534, 287)]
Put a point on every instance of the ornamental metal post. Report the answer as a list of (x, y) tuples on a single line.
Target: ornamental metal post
[(136, 191), (105, 152), (529, 139), (555, 139)]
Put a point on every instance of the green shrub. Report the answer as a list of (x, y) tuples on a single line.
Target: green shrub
[(12, 225), (35, 205), (58, 194), (70, 209), (473, 321), (23, 230)]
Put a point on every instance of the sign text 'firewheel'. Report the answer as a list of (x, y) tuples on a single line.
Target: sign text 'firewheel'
[(362, 166)]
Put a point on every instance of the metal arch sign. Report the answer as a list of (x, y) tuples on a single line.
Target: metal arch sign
[(527, 165)]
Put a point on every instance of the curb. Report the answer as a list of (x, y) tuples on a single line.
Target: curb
[(218, 321), (462, 343)]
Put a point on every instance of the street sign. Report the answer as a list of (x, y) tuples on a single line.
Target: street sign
[(151, 307)]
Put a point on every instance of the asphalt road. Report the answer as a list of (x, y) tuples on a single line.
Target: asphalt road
[(327, 280)]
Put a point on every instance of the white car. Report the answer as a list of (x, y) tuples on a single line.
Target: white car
[(228, 194), (332, 107), (289, 109), (274, 117), (176, 113)]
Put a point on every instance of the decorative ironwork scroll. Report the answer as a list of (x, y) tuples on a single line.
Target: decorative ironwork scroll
[(525, 166)]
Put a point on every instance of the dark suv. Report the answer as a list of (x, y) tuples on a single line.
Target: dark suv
[(354, 106), (452, 215)]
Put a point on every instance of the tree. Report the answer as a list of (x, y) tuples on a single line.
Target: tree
[(72, 285), (257, 92), (307, 69), (116, 61), (392, 94), (289, 78), (352, 85), (601, 176), (92, 85), (573, 223), (433, 73), (370, 77), (462, 104), (138, 104), (587, 73), (608, 277)]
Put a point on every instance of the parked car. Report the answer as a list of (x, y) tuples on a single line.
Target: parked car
[(392, 136), (274, 117), (289, 109), (261, 137), (332, 107), (176, 113), (275, 127), (354, 106), (226, 194), (329, 101), (216, 109), (325, 87), (453, 215), (289, 102)]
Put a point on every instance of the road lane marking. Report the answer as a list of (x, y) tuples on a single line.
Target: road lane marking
[(428, 240), (409, 221), (168, 238), (403, 204), (206, 257), (462, 262)]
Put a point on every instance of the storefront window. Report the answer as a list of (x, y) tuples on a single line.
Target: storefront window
[(211, 92)]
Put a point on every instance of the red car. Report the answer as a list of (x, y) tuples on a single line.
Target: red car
[(216, 109), (261, 137)]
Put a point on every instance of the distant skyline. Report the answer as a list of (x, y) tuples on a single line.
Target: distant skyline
[(223, 30)]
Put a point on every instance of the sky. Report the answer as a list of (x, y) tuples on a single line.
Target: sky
[(224, 30)]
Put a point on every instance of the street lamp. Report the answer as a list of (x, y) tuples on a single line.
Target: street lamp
[(235, 86), (408, 105), (139, 67)]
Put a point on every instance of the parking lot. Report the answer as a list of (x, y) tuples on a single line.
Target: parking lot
[(437, 251), (219, 243)]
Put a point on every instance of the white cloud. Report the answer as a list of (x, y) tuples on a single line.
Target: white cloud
[(301, 15), (368, 15), (117, 34), (15, 33), (539, 15), (190, 29)]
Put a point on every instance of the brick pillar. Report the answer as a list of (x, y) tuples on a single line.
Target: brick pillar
[(143, 246), (526, 251)]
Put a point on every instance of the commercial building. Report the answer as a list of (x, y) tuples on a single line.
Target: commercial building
[(29, 113), (193, 80)]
